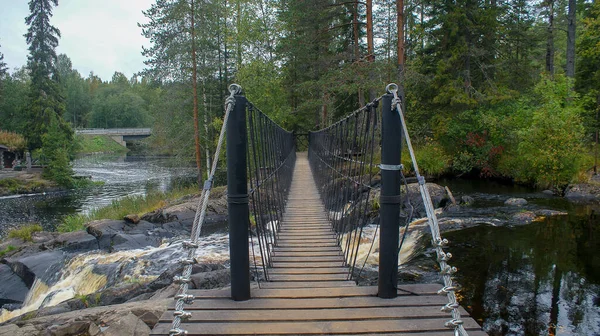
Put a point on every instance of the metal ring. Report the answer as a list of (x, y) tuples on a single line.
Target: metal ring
[(391, 88), (235, 89)]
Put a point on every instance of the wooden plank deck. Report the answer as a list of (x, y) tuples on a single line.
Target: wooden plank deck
[(309, 292)]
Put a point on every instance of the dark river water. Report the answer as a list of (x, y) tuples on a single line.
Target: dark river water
[(122, 176), (537, 279)]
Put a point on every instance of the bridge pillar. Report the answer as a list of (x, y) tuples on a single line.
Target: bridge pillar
[(237, 201), (391, 137), (119, 140)]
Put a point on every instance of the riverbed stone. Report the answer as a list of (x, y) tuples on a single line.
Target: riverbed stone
[(12, 289), (132, 218), (211, 280), (467, 200), (72, 328), (45, 266), (159, 216), (525, 217), (77, 241), (516, 202), (125, 325), (583, 191)]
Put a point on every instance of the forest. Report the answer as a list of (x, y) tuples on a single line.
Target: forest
[(504, 89)]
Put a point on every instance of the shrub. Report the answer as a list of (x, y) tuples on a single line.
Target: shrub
[(25, 232), (13, 141)]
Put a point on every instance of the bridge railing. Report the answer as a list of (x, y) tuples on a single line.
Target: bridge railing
[(354, 159), (343, 160)]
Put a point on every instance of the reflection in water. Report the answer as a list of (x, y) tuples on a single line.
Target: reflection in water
[(539, 279), (122, 176)]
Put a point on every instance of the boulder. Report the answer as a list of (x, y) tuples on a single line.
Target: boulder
[(72, 328), (525, 217), (133, 219), (583, 191), (104, 231), (516, 202), (77, 241), (467, 200), (13, 288), (45, 266), (159, 216), (125, 325), (211, 280)]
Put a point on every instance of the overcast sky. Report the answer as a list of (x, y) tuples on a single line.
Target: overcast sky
[(97, 35)]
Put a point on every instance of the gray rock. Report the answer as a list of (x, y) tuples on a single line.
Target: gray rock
[(550, 213), (548, 192), (210, 280), (159, 216), (122, 241), (72, 328), (77, 241), (583, 191), (12, 289), (525, 217), (14, 330), (10, 329), (133, 219), (516, 201), (126, 325), (45, 266)]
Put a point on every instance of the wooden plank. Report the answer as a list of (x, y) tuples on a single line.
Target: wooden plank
[(323, 270), (311, 315), (309, 277), (332, 303), (306, 259), (315, 328), (308, 264), (307, 254), (304, 249), (312, 284)]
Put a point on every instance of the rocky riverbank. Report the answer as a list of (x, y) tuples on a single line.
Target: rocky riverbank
[(114, 278), (21, 182)]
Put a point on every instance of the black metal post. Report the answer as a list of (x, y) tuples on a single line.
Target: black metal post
[(389, 212), (237, 201)]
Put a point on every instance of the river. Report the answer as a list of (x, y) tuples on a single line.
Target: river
[(537, 279), (122, 176)]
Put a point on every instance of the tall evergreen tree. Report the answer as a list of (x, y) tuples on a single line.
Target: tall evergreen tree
[(45, 97), (3, 72)]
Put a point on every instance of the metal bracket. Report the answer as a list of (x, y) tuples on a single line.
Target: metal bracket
[(237, 199)]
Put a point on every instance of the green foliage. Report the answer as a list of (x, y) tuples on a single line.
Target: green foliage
[(549, 149), (25, 232), (118, 110), (98, 144), (55, 151), (7, 250), (432, 159), (13, 141)]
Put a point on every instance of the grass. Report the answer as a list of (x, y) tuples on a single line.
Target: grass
[(118, 209), (10, 186), (88, 144), (25, 232), (7, 250)]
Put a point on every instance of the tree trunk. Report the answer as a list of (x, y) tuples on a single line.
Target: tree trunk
[(370, 46), (400, 23), (550, 39), (571, 39), (355, 32), (195, 92), (238, 35)]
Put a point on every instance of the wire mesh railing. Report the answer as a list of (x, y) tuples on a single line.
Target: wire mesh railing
[(342, 158), (271, 158)]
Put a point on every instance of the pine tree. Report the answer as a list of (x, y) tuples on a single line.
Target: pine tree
[(45, 98)]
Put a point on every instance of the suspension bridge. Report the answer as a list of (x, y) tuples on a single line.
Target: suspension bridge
[(298, 226)]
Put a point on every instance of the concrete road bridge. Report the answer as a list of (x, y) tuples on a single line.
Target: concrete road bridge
[(120, 135)]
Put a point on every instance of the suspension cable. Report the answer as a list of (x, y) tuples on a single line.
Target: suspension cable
[(445, 269), (191, 245)]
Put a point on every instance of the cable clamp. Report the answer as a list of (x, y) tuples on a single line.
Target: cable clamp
[(421, 180), (181, 280), (446, 289), (189, 244), (392, 199), (444, 256), (188, 261), (441, 242), (183, 315), (208, 184), (453, 323), (450, 307), (177, 332), (448, 270), (186, 298), (391, 167)]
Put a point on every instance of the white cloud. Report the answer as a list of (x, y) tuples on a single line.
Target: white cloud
[(98, 35)]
